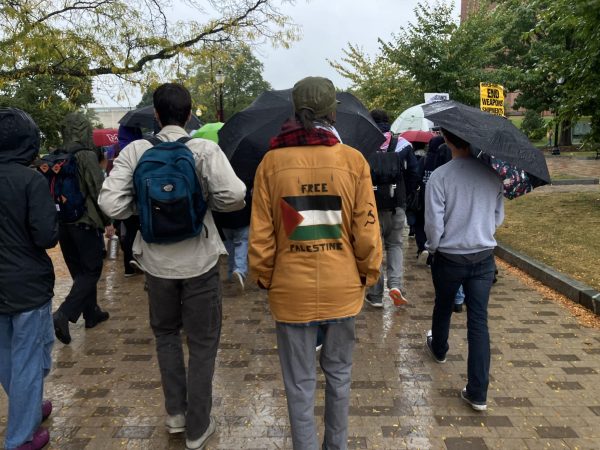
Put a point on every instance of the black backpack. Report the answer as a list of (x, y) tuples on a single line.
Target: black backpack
[(387, 175)]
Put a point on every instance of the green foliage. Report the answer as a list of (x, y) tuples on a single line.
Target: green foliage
[(47, 99), (132, 39), (243, 80), (533, 125)]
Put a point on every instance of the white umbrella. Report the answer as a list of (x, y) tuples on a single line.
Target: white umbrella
[(412, 119)]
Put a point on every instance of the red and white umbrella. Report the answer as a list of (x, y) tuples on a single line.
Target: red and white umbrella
[(417, 136)]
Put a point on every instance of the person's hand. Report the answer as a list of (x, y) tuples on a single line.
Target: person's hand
[(109, 231)]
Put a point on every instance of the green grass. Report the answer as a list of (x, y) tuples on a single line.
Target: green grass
[(561, 230)]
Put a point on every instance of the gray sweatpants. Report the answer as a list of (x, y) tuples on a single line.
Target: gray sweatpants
[(296, 345), (194, 304), (391, 226)]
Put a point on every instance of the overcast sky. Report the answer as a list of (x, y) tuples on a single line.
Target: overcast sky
[(327, 26)]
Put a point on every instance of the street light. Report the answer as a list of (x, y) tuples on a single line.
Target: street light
[(556, 148), (220, 78)]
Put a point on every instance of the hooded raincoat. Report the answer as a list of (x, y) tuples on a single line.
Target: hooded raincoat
[(28, 223)]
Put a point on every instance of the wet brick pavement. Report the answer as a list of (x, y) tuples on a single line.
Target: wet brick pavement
[(545, 389)]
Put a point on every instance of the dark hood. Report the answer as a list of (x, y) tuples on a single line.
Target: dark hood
[(77, 130), (384, 127), (127, 135), (435, 143), (19, 137)]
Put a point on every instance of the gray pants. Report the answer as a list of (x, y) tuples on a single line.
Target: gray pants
[(296, 345), (391, 226), (195, 305)]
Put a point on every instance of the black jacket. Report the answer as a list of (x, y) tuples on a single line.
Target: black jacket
[(28, 223)]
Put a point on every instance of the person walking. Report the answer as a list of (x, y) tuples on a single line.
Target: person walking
[(28, 227), (81, 241), (392, 217), (182, 275), (235, 226), (315, 246), (463, 208)]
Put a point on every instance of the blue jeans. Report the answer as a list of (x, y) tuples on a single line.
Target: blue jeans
[(391, 227), (25, 344), (460, 296), (476, 279), (237, 246)]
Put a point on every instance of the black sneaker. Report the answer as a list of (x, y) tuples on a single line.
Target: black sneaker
[(428, 340), (98, 317), (477, 406), (374, 302), (61, 327), (458, 307)]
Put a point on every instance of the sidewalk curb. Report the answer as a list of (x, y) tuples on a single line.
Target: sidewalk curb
[(579, 292), (570, 182)]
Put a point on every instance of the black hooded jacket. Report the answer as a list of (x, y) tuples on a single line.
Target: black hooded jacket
[(28, 223)]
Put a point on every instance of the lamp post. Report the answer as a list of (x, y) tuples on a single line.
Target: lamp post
[(556, 148), (220, 78)]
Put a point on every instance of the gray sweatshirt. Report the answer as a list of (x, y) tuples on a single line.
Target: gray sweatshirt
[(463, 207)]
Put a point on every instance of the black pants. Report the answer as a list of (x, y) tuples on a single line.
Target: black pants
[(420, 237), (82, 247), (193, 304), (132, 226)]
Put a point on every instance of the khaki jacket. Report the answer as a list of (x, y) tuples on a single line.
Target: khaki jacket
[(314, 233), (224, 190)]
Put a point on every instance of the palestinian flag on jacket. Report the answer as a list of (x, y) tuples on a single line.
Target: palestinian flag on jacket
[(312, 217)]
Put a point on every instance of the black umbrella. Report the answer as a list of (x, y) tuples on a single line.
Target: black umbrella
[(245, 136), (490, 135), (144, 118)]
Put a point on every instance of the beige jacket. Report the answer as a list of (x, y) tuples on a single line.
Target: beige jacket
[(224, 191), (314, 233)]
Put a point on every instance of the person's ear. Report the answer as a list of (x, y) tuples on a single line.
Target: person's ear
[(158, 118)]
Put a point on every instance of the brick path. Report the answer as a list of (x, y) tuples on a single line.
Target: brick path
[(545, 390)]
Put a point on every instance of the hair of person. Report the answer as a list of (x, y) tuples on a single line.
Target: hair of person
[(173, 104), (380, 116), (454, 139), (307, 119)]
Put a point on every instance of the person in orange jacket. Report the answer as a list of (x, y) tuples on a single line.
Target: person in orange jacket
[(315, 245)]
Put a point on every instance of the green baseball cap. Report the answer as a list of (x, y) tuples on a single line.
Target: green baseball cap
[(317, 94)]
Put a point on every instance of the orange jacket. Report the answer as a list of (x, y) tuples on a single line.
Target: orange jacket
[(314, 233)]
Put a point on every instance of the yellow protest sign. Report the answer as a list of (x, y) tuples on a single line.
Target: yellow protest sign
[(492, 98)]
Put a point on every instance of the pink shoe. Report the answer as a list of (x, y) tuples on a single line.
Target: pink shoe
[(40, 438), (46, 409)]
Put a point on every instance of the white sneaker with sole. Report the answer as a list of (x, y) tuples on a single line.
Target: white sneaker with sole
[(198, 444), (422, 257), (238, 280), (397, 297), (175, 424)]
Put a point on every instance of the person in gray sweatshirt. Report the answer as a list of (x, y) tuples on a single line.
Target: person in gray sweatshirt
[(463, 207)]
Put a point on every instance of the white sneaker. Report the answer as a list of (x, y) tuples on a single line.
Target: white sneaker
[(175, 424), (422, 257), (238, 279), (199, 443)]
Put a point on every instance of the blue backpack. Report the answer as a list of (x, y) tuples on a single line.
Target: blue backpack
[(168, 194), (61, 173)]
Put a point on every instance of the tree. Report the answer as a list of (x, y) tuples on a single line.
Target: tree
[(74, 38), (48, 100), (433, 54), (378, 82), (243, 79)]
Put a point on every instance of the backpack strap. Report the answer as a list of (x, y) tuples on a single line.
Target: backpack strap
[(393, 144), (184, 139), (154, 140)]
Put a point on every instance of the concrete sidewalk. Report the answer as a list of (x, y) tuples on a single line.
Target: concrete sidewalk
[(545, 390)]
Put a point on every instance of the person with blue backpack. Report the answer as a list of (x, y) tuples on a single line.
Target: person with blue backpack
[(28, 227), (74, 175), (174, 183)]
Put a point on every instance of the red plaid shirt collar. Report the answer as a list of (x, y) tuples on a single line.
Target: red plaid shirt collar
[(294, 135)]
